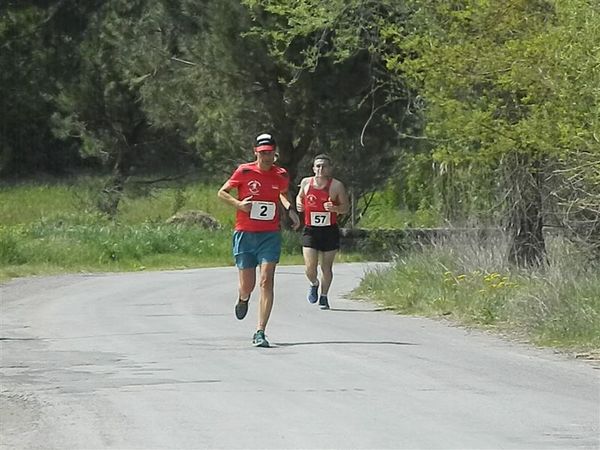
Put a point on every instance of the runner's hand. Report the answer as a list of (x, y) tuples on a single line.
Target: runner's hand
[(245, 204), (295, 219), (329, 206)]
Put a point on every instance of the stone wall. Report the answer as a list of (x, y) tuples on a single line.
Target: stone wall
[(383, 244)]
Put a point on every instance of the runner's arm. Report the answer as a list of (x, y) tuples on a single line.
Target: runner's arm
[(285, 201), (340, 195), (283, 198), (224, 195), (300, 196)]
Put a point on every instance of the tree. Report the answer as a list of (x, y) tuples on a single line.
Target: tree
[(230, 77), (331, 65), (102, 107), (34, 49), (498, 93)]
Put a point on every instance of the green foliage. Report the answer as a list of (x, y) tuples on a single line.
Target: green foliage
[(475, 109), (152, 81), (330, 57), (501, 79), (387, 208), (29, 68), (303, 33), (191, 70), (507, 89), (99, 107)]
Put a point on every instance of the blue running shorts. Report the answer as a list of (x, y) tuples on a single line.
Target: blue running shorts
[(253, 248)]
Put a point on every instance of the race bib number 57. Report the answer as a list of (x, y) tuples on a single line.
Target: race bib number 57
[(262, 211), (320, 219)]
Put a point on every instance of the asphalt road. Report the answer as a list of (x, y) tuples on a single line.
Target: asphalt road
[(158, 360)]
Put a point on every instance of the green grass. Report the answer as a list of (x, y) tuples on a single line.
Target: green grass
[(57, 228), (28, 203), (56, 247), (558, 305), (76, 201)]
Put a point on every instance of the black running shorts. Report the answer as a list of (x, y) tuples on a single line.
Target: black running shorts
[(323, 239)]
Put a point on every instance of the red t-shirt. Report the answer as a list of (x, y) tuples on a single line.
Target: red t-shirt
[(314, 211), (264, 188)]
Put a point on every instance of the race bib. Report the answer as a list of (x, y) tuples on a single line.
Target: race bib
[(320, 219), (262, 211)]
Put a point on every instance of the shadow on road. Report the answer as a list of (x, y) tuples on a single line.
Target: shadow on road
[(293, 344), (360, 310)]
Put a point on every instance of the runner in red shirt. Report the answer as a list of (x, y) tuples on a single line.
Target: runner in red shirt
[(261, 190), (322, 198)]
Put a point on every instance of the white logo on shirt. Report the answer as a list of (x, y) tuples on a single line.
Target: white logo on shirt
[(254, 186), (311, 199)]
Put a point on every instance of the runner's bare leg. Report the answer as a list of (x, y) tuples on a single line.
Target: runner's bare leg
[(267, 283), (327, 259), (311, 260), (247, 281)]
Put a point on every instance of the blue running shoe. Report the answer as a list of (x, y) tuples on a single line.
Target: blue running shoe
[(323, 302), (260, 340), (313, 293)]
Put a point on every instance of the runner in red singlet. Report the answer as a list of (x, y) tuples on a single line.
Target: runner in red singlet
[(321, 198), (261, 188)]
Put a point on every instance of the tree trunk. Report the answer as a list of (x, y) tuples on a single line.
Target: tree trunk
[(528, 247), (110, 197)]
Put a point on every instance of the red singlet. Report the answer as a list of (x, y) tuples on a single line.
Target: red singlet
[(264, 188), (314, 211)]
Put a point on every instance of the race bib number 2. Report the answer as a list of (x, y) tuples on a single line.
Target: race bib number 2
[(320, 219), (262, 211)]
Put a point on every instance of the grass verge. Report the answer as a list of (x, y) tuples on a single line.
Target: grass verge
[(45, 248), (557, 305)]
